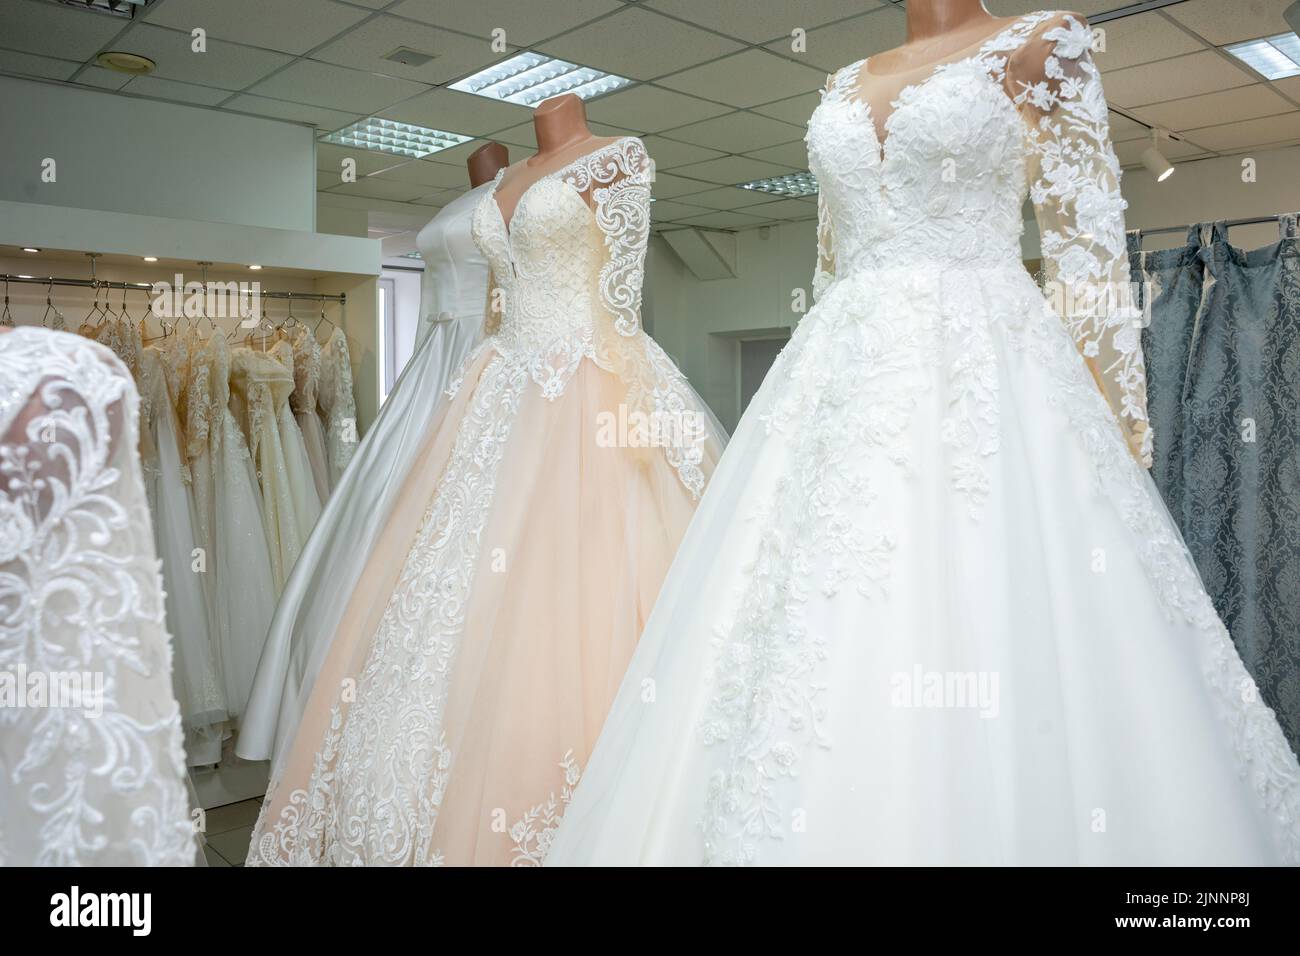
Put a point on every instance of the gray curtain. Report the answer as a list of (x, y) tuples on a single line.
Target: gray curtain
[(1223, 356)]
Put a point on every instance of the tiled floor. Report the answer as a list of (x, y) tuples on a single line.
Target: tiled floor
[(229, 829)]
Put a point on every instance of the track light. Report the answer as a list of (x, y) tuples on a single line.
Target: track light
[(1155, 160)]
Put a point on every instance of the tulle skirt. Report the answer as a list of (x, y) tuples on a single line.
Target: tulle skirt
[(476, 658), (930, 611)]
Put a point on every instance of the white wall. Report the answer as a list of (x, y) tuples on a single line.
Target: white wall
[(699, 323), (127, 154)]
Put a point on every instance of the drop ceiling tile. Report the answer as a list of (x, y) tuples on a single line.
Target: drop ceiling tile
[(524, 23), (338, 88), (1015, 8), (289, 27), (24, 64), (668, 210), (758, 20), (1131, 152), (438, 199), (227, 66), (1180, 77), (324, 119), (45, 29), (668, 153), (1288, 87), (103, 79), (1227, 22), (459, 155), (1141, 39), (639, 44), (723, 220), (840, 44), (747, 79), (650, 109), (733, 169), (372, 4), (177, 92), (729, 197), (1122, 128), (672, 186), (365, 47), (431, 175), (329, 158), (1243, 135), (458, 112), (787, 154), (373, 187), (795, 110), (1212, 109), (738, 132), (787, 209)]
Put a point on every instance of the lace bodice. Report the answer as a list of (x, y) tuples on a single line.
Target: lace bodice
[(306, 371), (337, 402), (98, 780), (1024, 115), (566, 282), (260, 385)]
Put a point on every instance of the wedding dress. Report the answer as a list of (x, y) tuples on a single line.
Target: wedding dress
[(98, 780), (472, 661), (237, 575), (453, 288), (306, 387), (167, 488), (260, 384), (338, 405), (455, 291), (931, 610)]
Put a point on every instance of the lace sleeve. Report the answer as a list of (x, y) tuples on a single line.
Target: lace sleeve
[(619, 179), (824, 274), (1074, 185)]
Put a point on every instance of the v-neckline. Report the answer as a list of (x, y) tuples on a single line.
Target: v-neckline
[(882, 134), (496, 182)]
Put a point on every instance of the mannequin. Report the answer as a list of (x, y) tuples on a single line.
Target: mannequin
[(485, 162), (562, 136), (938, 31)]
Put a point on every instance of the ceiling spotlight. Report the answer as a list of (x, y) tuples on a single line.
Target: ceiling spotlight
[(30, 249), (254, 267), (1154, 160), (150, 258)]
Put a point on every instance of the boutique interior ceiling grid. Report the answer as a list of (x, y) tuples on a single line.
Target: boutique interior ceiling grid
[(718, 95)]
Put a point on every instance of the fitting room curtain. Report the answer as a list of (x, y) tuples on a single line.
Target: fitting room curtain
[(1222, 354)]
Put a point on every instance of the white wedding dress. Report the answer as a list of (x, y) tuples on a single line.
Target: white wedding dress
[(99, 779), (454, 302), (930, 610)]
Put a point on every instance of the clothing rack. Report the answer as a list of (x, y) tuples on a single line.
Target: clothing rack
[(340, 297), (1227, 223)]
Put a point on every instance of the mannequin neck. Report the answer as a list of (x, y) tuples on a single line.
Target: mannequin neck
[(560, 123), (927, 19), (485, 162)]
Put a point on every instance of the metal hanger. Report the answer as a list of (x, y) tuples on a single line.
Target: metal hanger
[(7, 317), (59, 322)]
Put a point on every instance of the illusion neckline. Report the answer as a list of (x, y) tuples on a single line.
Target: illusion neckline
[(857, 70), (553, 174)]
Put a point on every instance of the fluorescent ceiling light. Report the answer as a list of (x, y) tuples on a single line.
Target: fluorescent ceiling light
[(411, 255), (529, 78), (1272, 57), (390, 136), (795, 184)]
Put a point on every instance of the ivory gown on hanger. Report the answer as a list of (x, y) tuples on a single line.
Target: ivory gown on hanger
[(454, 301), (167, 486), (306, 388), (470, 669), (931, 610), (100, 782), (238, 578)]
